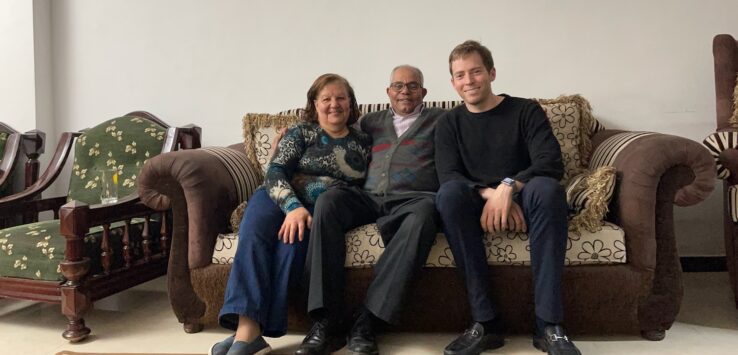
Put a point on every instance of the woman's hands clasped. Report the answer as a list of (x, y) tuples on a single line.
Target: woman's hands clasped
[(294, 225)]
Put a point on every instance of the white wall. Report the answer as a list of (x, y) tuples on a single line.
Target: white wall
[(644, 65), (17, 89), (44, 95)]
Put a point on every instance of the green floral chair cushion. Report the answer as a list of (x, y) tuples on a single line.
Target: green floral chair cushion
[(34, 251), (4, 188), (122, 144)]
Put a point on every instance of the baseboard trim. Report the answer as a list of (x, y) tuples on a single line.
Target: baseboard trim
[(703, 263)]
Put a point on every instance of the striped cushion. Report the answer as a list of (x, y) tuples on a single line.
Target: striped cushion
[(716, 143), (244, 175), (368, 108), (607, 152), (588, 195), (733, 202), (579, 191), (446, 105)]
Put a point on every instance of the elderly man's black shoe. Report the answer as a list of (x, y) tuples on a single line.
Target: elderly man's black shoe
[(555, 342), (474, 341), (322, 339)]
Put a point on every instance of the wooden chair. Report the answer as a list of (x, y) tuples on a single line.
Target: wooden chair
[(16, 173), (90, 250)]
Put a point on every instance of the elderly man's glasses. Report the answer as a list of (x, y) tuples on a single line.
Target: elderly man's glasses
[(398, 86)]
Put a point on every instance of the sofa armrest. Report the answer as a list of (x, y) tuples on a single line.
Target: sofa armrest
[(655, 171), (202, 189)]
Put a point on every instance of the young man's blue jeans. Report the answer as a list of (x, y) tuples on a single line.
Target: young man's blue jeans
[(545, 210)]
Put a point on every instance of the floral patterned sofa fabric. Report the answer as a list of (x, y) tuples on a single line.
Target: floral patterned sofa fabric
[(364, 246), (124, 144)]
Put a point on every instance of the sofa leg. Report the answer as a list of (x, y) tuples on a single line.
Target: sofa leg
[(193, 327), (653, 335)]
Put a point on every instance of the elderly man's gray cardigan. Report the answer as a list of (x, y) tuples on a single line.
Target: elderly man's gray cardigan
[(404, 164)]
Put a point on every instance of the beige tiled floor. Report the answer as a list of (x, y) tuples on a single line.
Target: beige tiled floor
[(141, 321)]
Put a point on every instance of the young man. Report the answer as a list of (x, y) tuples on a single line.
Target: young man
[(499, 164), (398, 195)]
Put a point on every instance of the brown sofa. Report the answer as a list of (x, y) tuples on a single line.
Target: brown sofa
[(639, 296), (723, 144)]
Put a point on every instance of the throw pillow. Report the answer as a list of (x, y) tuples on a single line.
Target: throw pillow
[(588, 195), (259, 130), (573, 125)]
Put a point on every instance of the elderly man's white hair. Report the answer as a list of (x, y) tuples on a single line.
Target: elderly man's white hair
[(403, 66)]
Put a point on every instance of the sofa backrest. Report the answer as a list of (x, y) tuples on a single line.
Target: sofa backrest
[(725, 54), (570, 117)]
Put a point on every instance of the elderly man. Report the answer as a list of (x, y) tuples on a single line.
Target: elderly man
[(398, 195), (500, 164)]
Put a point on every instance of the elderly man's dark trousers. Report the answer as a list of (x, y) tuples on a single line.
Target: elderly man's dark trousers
[(545, 211), (408, 226)]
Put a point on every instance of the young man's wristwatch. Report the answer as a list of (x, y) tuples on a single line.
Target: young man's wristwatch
[(509, 182)]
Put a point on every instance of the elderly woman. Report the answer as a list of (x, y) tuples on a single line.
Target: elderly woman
[(321, 152)]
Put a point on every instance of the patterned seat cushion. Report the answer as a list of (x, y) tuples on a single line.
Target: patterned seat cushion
[(34, 251), (364, 246)]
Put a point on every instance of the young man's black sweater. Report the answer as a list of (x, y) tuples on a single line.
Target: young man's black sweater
[(513, 139)]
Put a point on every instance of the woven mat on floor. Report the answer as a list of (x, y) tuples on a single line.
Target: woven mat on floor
[(98, 353)]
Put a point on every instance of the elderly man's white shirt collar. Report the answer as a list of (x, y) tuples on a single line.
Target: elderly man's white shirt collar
[(402, 123)]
